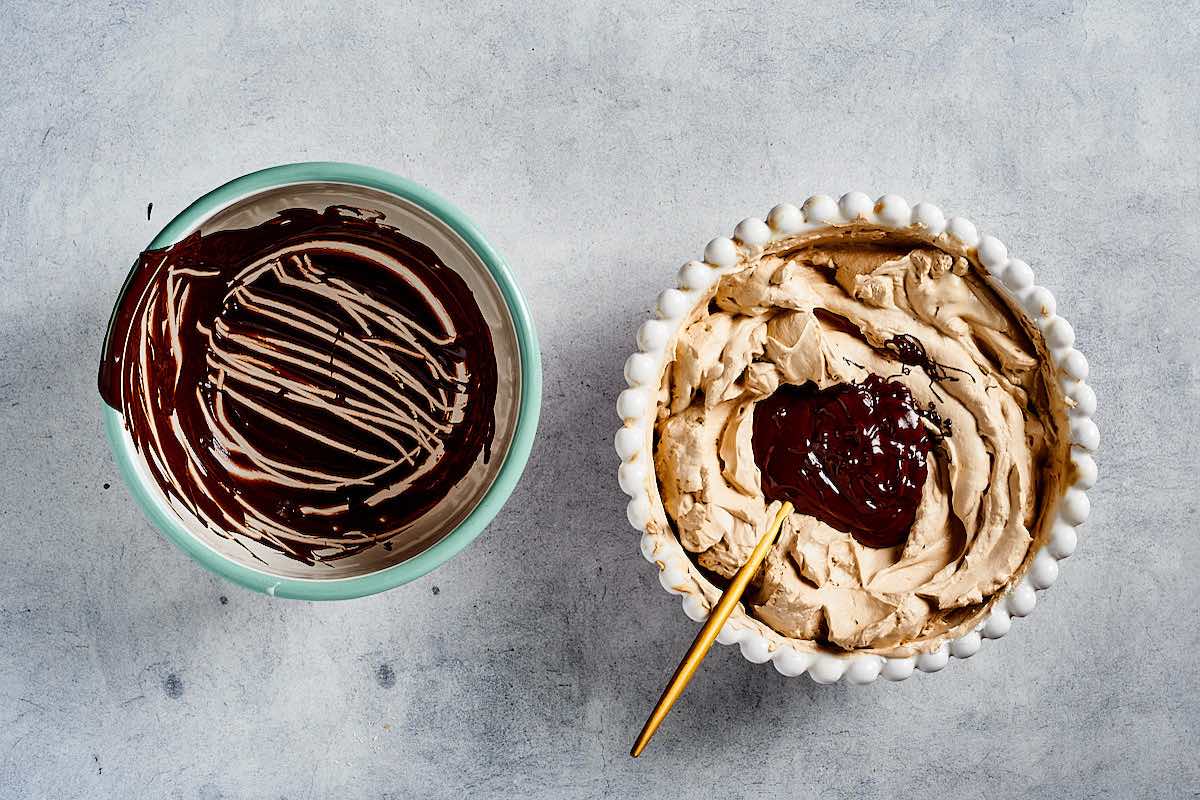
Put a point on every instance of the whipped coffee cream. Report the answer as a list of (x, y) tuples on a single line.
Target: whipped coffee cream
[(314, 384), (911, 415)]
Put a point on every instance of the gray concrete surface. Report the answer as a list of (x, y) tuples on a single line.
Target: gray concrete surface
[(599, 146)]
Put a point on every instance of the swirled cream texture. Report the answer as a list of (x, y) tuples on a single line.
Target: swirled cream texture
[(312, 385), (847, 310)]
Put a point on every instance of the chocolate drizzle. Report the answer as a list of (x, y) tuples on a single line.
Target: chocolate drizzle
[(911, 353), (316, 383), (851, 455)]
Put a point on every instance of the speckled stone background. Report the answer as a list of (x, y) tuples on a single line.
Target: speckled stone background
[(599, 147)]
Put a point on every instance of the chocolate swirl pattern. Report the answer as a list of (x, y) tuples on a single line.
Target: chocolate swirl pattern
[(314, 384)]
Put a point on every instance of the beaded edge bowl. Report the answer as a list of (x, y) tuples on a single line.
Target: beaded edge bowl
[(637, 406)]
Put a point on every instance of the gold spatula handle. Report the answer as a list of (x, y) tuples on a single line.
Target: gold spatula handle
[(708, 634)]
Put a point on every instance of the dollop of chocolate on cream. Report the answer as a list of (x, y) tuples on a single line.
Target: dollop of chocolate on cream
[(315, 383), (851, 455)]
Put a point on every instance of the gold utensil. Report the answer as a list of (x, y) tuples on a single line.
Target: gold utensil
[(708, 634)]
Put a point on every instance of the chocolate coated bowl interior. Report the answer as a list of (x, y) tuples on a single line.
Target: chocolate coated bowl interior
[(423, 523)]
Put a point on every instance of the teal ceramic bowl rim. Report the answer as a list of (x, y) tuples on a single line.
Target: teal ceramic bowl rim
[(514, 461)]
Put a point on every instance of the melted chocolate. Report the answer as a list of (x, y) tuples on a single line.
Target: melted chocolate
[(911, 353), (316, 383), (851, 455)]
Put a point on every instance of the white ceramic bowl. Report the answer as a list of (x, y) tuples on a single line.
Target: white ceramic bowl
[(637, 407)]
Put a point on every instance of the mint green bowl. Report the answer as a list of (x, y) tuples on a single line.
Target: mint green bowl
[(254, 194)]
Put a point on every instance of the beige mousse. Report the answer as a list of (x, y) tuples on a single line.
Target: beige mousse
[(821, 310)]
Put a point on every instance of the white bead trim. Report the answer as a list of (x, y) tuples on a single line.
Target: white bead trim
[(637, 407)]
